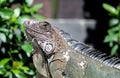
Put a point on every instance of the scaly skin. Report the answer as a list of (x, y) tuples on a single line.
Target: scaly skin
[(57, 55), (49, 44)]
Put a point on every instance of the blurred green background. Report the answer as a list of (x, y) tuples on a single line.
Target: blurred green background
[(15, 51), (113, 36)]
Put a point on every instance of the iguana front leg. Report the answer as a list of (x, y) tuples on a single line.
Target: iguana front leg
[(40, 61), (40, 65), (57, 66)]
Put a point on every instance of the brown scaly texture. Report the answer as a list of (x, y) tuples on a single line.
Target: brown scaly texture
[(63, 57), (40, 33)]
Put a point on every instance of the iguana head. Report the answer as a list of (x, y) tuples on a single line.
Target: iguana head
[(48, 37)]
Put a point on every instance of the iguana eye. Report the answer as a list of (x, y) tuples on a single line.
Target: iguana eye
[(45, 26)]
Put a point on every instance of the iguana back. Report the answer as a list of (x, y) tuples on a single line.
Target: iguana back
[(87, 62)]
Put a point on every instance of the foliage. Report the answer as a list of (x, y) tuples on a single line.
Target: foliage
[(15, 51), (113, 37)]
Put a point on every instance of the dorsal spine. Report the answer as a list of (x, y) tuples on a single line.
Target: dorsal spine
[(91, 52)]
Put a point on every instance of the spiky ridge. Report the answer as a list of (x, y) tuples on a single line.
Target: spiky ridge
[(91, 52)]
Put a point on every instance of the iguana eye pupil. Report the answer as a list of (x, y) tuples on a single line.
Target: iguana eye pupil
[(45, 25)]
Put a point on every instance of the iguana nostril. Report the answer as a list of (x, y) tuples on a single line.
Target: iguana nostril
[(28, 22)]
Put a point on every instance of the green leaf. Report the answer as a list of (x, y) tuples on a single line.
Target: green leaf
[(2, 2), (20, 56), (6, 13), (118, 8), (4, 30), (25, 68), (114, 49), (8, 74), (3, 50), (113, 22), (25, 8), (110, 9), (21, 75), (27, 47), (8, 66), (4, 61), (39, 17), (36, 7), (14, 51), (113, 30), (17, 33), (2, 70), (19, 37), (31, 72), (2, 37), (22, 28), (22, 18), (110, 38), (107, 39), (10, 36), (29, 2), (15, 71), (16, 12), (111, 44), (15, 15), (17, 64)]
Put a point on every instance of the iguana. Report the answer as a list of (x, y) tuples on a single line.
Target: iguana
[(57, 55)]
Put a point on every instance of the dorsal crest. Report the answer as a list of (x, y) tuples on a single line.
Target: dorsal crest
[(91, 52)]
